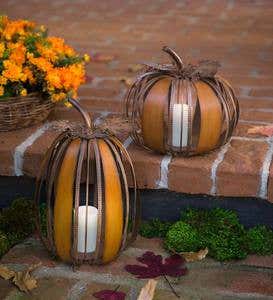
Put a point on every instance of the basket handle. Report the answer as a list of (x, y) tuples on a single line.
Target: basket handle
[(82, 111)]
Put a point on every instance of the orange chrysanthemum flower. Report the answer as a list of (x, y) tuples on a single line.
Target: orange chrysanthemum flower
[(29, 57)]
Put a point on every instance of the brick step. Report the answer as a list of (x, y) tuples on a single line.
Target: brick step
[(209, 280), (239, 168), (233, 32)]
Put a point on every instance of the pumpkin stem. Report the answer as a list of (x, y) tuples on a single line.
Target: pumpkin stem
[(80, 109), (175, 57)]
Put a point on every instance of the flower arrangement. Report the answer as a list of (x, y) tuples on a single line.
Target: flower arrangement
[(31, 61)]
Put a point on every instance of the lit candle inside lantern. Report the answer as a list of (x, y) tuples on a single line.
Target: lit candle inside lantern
[(92, 225), (180, 114)]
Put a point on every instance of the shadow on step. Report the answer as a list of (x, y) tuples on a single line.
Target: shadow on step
[(161, 204)]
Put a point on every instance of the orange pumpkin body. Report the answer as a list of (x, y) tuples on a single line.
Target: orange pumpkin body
[(86, 170), (183, 109)]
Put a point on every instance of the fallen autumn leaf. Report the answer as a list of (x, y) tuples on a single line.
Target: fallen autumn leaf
[(263, 130), (22, 279), (195, 256), (147, 292), (104, 58)]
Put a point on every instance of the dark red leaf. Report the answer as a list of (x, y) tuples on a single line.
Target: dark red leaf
[(109, 295), (173, 266)]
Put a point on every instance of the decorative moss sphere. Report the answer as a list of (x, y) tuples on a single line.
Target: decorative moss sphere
[(182, 237)]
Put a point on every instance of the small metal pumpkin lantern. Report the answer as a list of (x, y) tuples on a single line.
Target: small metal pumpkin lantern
[(90, 215), (181, 108)]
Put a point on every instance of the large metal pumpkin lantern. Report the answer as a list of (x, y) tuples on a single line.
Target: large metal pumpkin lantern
[(90, 215), (177, 108)]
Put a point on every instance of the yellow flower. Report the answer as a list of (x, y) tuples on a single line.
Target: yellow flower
[(53, 78), (18, 52), (23, 92), (12, 71), (29, 75), (86, 58), (47, 52), (20, 27), (41, 63), (60, 47), (55, 65), (58, 97), (68, 104), (2, 90), (3, 80), (2, 49)]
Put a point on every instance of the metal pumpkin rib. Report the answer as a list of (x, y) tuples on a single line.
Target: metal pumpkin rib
[(64, 202), (113, 203)]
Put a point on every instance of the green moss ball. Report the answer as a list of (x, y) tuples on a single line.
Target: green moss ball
[(182, 237)]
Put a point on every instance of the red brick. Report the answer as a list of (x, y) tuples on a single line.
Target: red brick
[(258, 261), (8, 142), (99, 92), (147, 166), (256, 115), (191, 175), (253, 284), (243, 127), (262, 93), (243, 159), (250, 103), (31, 251)]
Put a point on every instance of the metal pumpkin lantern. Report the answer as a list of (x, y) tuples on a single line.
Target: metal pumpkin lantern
[(177, 108), (90, 215)]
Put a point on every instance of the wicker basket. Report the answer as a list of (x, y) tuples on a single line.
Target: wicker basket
[(20, 112)]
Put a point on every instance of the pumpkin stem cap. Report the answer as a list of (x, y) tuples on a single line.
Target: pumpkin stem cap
[(82, 111), (175, 57)]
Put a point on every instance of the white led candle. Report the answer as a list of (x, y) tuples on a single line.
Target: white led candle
[(92, 225), (180, 114)]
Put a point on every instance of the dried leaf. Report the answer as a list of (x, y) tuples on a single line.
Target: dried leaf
[(103, 58), (127, 81), (172, 266), (147, 292), (22, 279), (6, 273), (135, 68), (263, 130), (195, 256), (207, 68)]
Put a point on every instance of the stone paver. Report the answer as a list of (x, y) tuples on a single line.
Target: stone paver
[(237, 33), (251, 278)]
